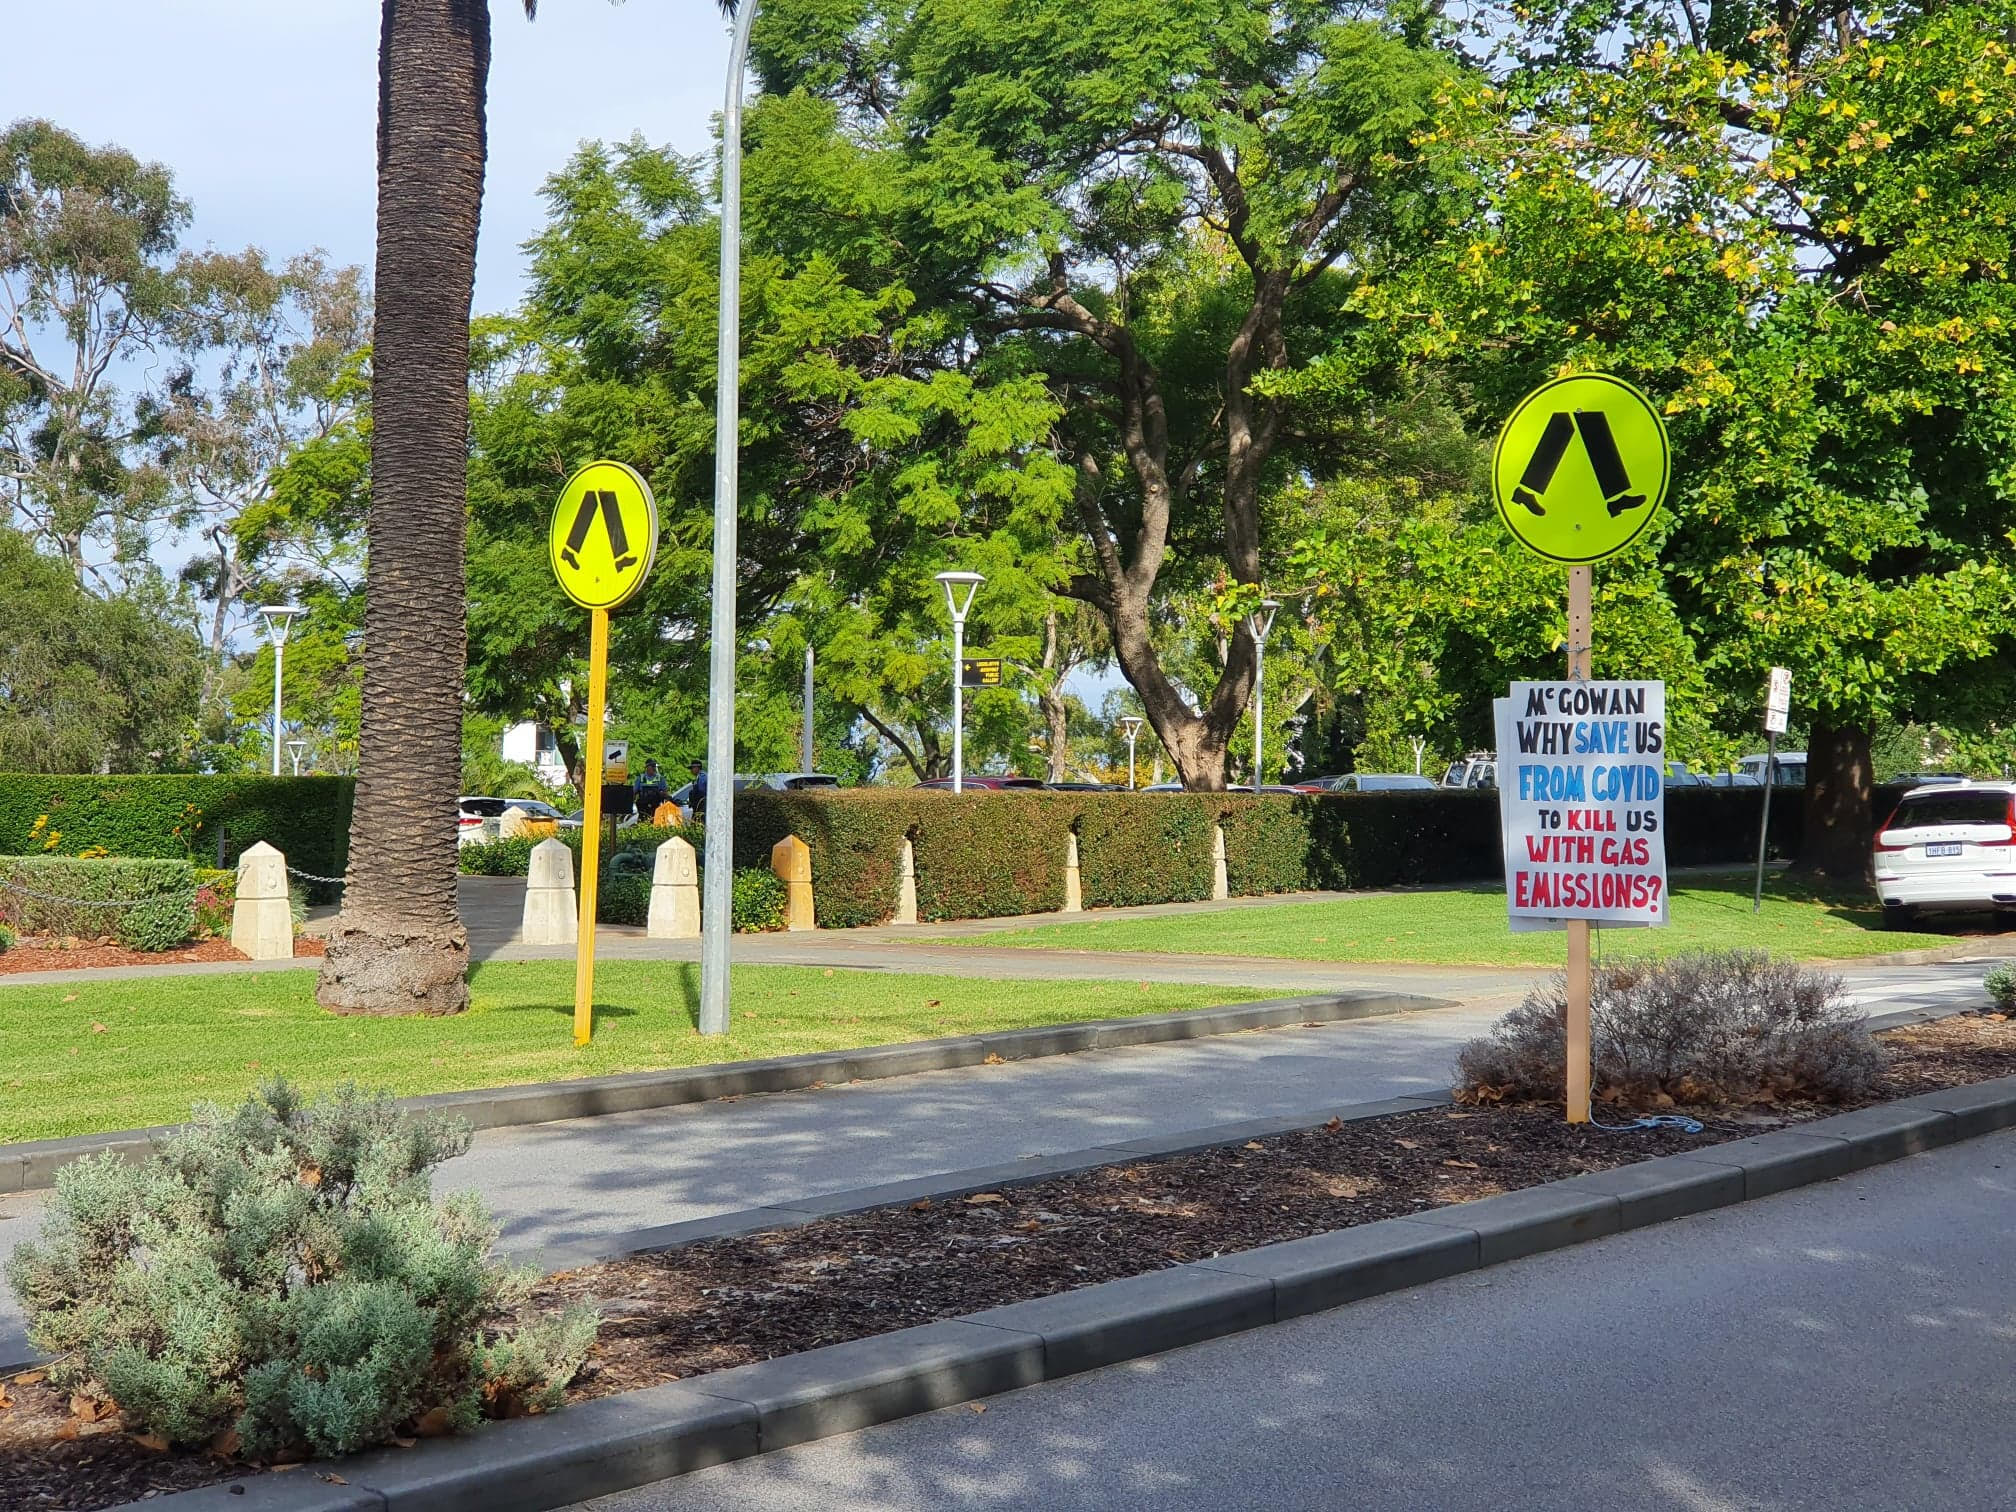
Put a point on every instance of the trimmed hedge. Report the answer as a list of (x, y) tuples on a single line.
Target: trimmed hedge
[(984, 854), (30, 886), (220, 816)]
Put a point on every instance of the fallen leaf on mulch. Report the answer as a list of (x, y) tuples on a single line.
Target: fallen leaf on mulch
[(91, 1409), (1408, 1144), (1463, 1165), (921, 1205), (332, 1477), (1334, 1125), (432, 1424), (154, 1443), (983, 1197), (6, 1401), (993, 1060), (31, 1378), (226, 1444), (1254, 1144)]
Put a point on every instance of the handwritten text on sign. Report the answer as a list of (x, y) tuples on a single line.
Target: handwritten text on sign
[(1582, 798)]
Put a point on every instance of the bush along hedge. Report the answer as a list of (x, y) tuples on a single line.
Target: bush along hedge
[(208, 819), (144, 905), (281, 1273)]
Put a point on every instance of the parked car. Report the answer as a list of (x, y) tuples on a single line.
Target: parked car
[(1380, 782), (1163, 787), (987, 784), (1086, 787), (1927, 779), (1678, 776), (788, 782), (1790, 770), (472, 811), (1477, 770), (1950, 846)]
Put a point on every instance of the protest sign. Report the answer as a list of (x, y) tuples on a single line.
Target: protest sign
[(1582, 802)]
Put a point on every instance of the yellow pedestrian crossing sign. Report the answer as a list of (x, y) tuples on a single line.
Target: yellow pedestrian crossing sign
[(604, 535), (1581, 467)]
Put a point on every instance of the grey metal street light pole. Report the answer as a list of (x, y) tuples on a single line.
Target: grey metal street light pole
[(1132, 723), (1260, 624), (279, 619), (952, 582), (719, 899), (805, 739)]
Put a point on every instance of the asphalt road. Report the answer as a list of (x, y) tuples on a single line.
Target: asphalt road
[(556, 1183), (1851, 1345)]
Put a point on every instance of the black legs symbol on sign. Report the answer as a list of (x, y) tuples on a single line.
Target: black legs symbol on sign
[(1594, 428), (612, 521)]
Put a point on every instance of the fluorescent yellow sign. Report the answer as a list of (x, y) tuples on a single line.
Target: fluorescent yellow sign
[(1581, 467), (604, 535)]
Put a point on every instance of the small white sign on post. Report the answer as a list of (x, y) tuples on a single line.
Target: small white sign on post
[(1778, 701), (1582, 802)]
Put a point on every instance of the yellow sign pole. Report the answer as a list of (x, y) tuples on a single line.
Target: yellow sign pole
[(1578, 929), (591, 824)]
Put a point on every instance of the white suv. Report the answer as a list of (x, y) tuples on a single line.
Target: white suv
[(1952, 846)]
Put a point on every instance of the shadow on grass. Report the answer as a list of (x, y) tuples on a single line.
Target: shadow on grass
[(566, 1010), (1853, 904)]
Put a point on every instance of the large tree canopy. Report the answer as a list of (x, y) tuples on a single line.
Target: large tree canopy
[(1792, 226), (1153, 211)]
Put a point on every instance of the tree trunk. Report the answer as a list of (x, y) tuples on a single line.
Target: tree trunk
[(1839, 824), (1050, 697), (400, 947)]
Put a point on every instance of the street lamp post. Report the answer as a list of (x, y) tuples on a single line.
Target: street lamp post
[(953, 582), (1259, 624), (805, 737), (1132, 724), (279, 619), (720, 878), (297, 749)]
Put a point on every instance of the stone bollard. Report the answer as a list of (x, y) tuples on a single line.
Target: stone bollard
[(791, 860), (1221, 886), (906, 885), (552, 916), (262, 919), (1074, 892), (675, 893)]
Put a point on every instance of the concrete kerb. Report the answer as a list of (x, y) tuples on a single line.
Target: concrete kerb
[(586, 1451), (30, 1166)]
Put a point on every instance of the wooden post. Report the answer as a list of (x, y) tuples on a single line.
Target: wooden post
[(1578, 929), (591, 825)]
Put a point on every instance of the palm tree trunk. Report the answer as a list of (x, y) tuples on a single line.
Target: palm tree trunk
[(400, 947)]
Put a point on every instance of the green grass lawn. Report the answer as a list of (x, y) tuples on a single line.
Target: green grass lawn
[(78, 1058), (1468, 928)]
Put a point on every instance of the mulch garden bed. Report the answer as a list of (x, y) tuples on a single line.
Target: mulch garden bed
[(41, 953), (726, 1302)]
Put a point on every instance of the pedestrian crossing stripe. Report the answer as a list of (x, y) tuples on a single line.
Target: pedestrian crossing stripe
[(603, 539), (1581, 467)]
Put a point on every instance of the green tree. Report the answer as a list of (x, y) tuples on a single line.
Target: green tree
[(87, 283), (88, 684), (1792, 228), (1155, 212)]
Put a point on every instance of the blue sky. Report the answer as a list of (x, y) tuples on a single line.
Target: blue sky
[(265, 109)]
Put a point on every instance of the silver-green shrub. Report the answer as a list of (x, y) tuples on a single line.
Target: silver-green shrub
[(283, 1269), (2001, 984), (1702, 1027)]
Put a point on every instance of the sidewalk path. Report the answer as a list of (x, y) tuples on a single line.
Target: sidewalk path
[(559, 1182), (1846, 1345)]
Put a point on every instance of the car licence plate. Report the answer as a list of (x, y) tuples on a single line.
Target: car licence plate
[(1945, 848)]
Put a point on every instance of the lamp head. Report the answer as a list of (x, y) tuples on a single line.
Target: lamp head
[(952, 583), (279, 617), (1262, 624)]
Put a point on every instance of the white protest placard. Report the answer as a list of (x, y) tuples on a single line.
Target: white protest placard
[(1582, 802)]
